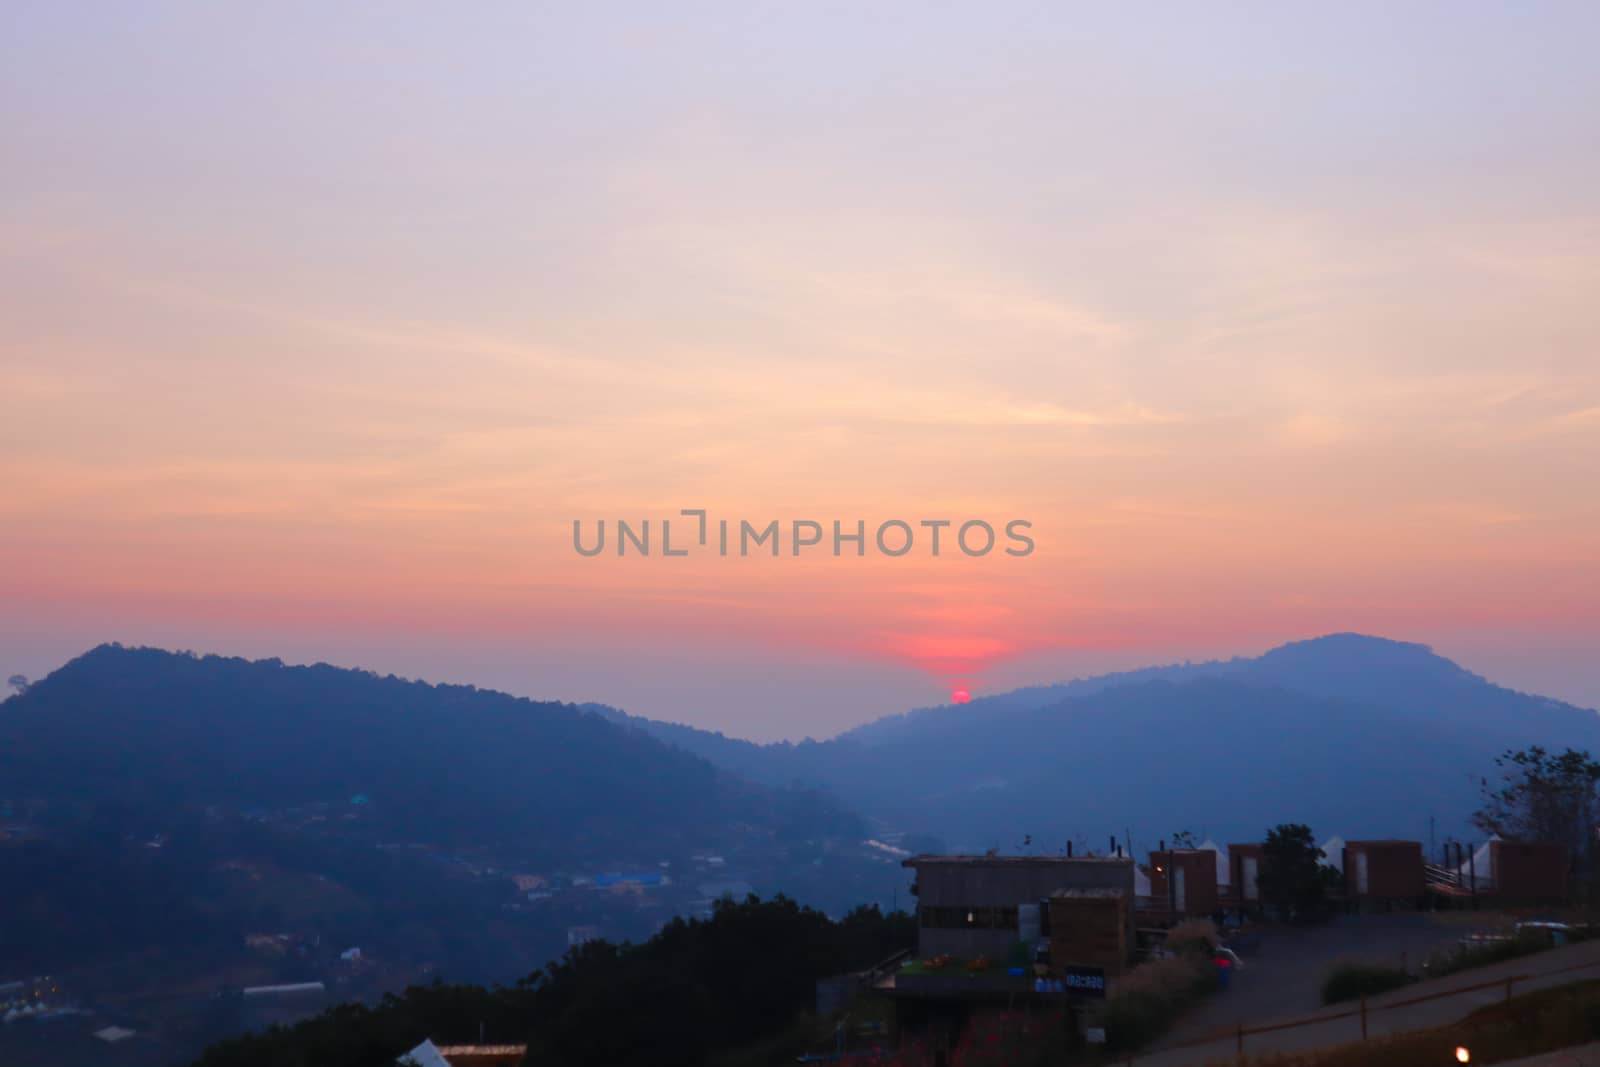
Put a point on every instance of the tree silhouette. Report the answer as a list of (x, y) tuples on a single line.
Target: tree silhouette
[(1544, 797), (1292, 880)]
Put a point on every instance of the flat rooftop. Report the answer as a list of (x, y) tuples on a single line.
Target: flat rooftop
[(1008, 861)]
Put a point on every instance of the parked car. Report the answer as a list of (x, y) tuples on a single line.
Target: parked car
[(1224, 952)]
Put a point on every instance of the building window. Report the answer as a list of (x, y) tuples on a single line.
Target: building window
[(969, 918)]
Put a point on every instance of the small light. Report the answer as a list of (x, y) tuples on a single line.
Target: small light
[(1462, 1055)]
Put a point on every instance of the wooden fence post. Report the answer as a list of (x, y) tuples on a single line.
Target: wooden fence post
[(1363, 1016)]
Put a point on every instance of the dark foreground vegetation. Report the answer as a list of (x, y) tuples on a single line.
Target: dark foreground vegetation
[(697, 992), (1152, 996), (1536, 1022), (1354, 979)]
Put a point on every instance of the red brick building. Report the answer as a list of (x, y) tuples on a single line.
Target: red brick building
[(1244, 866), (1529, 872), (1184, 881), (1383, 871)]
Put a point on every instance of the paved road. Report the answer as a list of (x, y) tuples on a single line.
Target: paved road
[(1221, 1015), (1284, 976)]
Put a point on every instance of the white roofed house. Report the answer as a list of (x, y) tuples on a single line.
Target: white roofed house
[(424, 1055)]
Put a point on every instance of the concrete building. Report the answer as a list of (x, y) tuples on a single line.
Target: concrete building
[(969, 906), (288, 989)]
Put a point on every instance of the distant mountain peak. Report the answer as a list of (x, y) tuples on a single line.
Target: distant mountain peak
[(1343, 664), (1351, 652), (1349, 641)]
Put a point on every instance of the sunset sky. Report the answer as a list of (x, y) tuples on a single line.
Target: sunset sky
[(320, 324)]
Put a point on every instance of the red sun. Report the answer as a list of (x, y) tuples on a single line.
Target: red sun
[(960, 696)]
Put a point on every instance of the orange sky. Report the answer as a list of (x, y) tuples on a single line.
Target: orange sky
[(319, 331)]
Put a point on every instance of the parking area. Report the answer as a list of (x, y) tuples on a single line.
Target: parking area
[(1282, 978), (1284, 968)]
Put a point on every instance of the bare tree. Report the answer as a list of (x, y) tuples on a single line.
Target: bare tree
[(1544, 797)]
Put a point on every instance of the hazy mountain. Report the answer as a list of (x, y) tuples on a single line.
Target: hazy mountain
[(1355, 734), (779, 763), (154, 730), (167, 802), (149, 769)]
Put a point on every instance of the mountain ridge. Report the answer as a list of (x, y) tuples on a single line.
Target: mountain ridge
[(406, 806), (1343, 689), (1271, 663)]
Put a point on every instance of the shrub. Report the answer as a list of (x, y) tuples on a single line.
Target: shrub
[(1145, 1001), (1017, 1039), (1455, 958), (1465, 956), (1349, 979), (1193, 936)]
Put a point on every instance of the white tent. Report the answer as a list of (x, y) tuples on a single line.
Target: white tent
[(1224, 875), (424, 1055), (1480, 865), (1333, 853)]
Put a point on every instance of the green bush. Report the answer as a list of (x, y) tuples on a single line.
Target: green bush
[(1350, 979), (1464, 957)]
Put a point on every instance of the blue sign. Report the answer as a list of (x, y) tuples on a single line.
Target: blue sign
[(1087, 982)]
